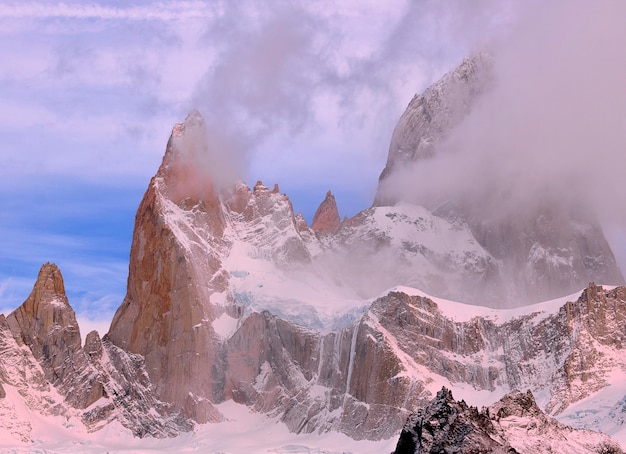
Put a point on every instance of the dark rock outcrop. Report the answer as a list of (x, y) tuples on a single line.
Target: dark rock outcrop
[(515, 424), (446, 425)]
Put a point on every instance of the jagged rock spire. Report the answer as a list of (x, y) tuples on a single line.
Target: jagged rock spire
[(46, 318), (326, 219), (46, 323)]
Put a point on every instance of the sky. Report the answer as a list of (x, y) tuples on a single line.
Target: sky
[(303, 94)]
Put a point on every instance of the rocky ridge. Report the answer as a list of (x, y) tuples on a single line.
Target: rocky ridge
[(514, 424)]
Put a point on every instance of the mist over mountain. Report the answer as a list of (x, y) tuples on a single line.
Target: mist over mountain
[(481, 268)]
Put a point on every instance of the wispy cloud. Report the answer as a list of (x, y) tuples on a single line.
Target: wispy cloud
[(162, 11)]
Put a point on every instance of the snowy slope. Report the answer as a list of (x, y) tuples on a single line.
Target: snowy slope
[(242, 432)]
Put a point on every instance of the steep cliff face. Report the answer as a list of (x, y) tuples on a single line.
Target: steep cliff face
[(557, 352), (364, 379), (167, 313), (543, 250)]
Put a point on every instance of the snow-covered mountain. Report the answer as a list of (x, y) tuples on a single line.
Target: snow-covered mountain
[(543, 247), (233, 299), (363, 380)]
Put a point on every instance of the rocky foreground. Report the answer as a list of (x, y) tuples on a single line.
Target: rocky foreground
[(514, 424)]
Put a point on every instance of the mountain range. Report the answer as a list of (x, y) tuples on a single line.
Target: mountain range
[(332, 327)]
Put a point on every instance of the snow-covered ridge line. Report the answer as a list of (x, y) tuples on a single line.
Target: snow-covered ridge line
[(461, 312)]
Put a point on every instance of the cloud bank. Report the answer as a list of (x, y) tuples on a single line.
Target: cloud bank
[(551, 126)]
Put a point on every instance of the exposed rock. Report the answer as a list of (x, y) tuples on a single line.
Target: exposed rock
[(19, 370), (46, 323), (514, 424), (326, 219), (563, 353), (42, 358), (166, 315), (446, 425), (130, 398), (362, 380), (93, 346)]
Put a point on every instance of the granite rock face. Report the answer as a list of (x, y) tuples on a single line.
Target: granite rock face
[(46, 323), (326, 218), (363, 380), (563, 353)]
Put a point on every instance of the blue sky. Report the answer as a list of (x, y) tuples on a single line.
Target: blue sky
[(300, 94)]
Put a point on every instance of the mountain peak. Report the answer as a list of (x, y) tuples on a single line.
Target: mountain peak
[(326, 218), (49, 288), (45, 321), (194, 118), (46, 306), (187, 167), (429, 118)]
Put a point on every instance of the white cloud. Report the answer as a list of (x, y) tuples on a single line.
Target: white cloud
[(161, 11)]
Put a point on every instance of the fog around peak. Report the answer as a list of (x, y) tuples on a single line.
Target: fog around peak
[(550, 125), (298, 87)]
